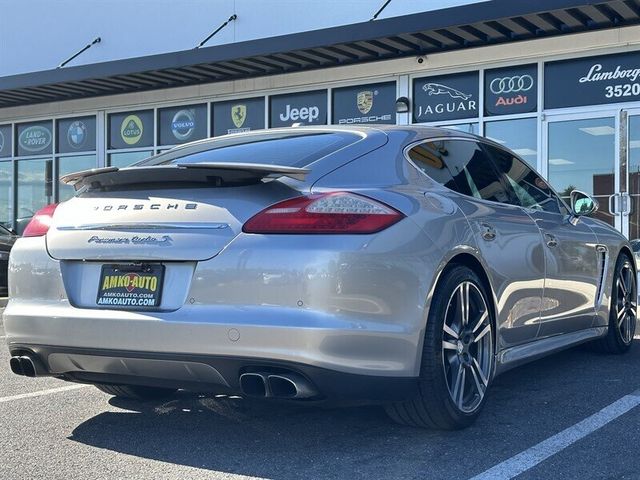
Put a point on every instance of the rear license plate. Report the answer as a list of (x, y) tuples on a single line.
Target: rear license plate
[(130, 286)]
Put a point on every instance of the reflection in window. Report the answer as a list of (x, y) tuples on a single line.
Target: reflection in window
[(68, 165), (124, 159), (464, 127), (6, 193), (520, 135), (35, 186), (634, 175)]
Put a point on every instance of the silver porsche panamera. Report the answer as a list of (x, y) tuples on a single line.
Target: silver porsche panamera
[(400, 265)]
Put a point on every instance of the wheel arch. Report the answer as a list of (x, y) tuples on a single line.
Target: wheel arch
[(465, 256)]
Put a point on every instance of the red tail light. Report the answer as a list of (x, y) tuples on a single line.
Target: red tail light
[(336, 212), (41, 221)]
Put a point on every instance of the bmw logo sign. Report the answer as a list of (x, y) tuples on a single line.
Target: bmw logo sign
[(183, 124), (77, 134)]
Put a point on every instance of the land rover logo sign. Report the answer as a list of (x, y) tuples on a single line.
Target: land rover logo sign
[(35, 139), (592, 81), (77, 134), (131, 129), (183, 124), (511, 90), (373, 103), (446, 97)]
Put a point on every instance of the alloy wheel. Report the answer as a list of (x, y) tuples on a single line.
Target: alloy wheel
[(467, 346), (626, 303)]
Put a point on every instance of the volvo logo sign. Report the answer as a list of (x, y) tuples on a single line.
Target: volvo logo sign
[(514, 84), (183, 124)]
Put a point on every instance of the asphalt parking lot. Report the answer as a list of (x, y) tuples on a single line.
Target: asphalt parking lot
[(48, 430)]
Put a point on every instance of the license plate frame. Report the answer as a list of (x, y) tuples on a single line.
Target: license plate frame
[(130, 286)]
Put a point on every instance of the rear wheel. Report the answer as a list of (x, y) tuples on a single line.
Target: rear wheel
[(136, 392), (457, 357), (623, 310)]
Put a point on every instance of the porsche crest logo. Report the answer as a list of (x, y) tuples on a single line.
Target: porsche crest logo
[(365, 101), (238, 114)]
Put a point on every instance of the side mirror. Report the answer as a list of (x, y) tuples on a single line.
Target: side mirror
[(582, 204)]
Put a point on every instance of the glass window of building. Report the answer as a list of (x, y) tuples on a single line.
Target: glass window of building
[(75, 149), (34, 169), (519, 135), (581, 156), (634, 175), (471, 127), (6, 193), (130, 137)]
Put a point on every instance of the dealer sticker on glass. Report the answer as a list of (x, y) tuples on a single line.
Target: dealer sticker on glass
[(127, 286)]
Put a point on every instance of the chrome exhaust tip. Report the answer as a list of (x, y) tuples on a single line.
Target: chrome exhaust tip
[(16, 365), (253, 384), (28, 366), (290, 385)]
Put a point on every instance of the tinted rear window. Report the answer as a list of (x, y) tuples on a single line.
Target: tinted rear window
[(289, 149)]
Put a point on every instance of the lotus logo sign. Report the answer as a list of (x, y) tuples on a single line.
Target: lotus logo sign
[(35, 139), (131, 129)]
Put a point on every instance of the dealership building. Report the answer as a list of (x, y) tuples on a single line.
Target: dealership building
[(557, 81)]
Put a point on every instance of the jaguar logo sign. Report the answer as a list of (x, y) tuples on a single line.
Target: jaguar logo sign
[(439, 89), (35, 139)]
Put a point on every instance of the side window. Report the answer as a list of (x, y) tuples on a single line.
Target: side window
[(462, 166), (531, 190)]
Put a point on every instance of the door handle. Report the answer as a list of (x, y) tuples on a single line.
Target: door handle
[(613, 207), (488, 232), (551, 240)]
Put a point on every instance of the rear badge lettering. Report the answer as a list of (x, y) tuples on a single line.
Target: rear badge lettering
[(153, 206), (136, 240)]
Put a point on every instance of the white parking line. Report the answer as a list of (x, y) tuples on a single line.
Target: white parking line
[(41, 393), (531, 457)]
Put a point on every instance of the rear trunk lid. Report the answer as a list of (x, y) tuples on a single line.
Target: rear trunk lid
[(163, 213)]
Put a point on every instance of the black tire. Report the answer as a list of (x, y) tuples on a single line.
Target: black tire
[(136, 392), (620, 333), (434, 406)]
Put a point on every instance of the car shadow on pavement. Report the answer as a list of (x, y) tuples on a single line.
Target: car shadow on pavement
[(525, 406)]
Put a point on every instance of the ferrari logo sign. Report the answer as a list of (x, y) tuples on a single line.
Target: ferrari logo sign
[(238, 114), (365, 101)]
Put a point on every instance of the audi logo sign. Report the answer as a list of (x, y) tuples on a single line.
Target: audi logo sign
[(515, 84), (511, 90)]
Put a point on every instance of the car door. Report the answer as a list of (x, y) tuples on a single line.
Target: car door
[(570, 249), (507, 238)]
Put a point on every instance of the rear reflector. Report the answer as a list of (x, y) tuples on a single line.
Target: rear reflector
[(41, 221), (336, 212)]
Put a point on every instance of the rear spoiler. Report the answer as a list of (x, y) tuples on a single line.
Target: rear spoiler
[(181, 172)]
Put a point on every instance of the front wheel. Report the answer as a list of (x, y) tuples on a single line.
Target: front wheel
[(457, 358), (622, 311)]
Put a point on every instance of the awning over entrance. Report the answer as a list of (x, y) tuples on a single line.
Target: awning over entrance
[(478, 24)]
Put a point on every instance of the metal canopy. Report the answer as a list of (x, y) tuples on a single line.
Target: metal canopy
[(474, 25)]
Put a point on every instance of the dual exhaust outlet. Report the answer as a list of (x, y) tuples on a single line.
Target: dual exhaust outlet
[(27, 366), (276, 385)]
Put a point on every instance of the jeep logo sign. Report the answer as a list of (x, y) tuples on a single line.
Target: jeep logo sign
[(308, 108)]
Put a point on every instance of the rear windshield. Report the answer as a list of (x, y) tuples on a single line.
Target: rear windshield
[(289, 149)]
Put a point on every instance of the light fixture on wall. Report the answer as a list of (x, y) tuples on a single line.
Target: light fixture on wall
[(402, 105)]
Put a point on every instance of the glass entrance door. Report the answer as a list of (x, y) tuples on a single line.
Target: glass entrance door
[(581, 154), (631, 119)]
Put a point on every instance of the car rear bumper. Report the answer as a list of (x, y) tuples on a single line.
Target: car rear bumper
[(267, 332), (208, 373)]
